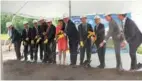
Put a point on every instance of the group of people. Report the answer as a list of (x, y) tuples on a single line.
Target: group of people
[(44, 35)]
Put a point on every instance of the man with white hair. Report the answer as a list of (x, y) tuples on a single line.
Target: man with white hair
[(117, 37), (48, 42), (73, 37), (85, 41), (134, 38), (100, 33), (26, 38), (16, 39)]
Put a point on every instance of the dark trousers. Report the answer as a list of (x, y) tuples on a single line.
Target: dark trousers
[(41, 46), (17, 46), (101, 54), (73, 45), (34, 51), (133, 46), (47, 52), (53, 51), (26, 50), (87, 48)]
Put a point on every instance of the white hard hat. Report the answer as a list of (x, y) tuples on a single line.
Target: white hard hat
[(61, 18), (34, 21), (83, 16), (41, 18), (97, 17), (49, 20), (107, 14), (65, 15), (25, 22), (8, 24)]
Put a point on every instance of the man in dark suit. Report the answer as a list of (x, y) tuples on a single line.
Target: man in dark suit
[(35, 40), (85, 41), (26, 38), (133, 36), (42, 30), (15, 38), (100, 33), (49, 36), (73, 38)]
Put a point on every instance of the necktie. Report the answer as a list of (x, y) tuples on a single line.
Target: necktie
[(27, 32), (47, 30), (66, 28), (36, 31), (96, 27), (122, 23)]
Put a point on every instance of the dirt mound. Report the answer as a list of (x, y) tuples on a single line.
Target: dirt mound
[(17, 70)]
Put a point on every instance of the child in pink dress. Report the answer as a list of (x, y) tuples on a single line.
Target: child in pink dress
[(62, 41)]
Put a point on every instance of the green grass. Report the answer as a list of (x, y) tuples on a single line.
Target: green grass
[(110, 43), (4, 37), (140, 50)]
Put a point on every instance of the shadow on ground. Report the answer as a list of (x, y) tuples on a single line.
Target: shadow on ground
[(18, 70)]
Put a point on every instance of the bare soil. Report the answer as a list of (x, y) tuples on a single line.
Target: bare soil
[(18, 70)]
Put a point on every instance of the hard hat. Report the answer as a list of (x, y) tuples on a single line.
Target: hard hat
[(107, 14), (34, 21), (61, 18), (41, 18), (83, 16), (8, 24), (49, 20), (65, 15), (97, 17)]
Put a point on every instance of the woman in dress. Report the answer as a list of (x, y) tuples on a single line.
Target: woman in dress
[(62, 41)]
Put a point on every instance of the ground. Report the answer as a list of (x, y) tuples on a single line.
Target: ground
[(15, 70), (19, 70)]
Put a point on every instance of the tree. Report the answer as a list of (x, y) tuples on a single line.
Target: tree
[(17, 22)]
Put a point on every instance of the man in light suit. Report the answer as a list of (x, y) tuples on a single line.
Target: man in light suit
[(116, 34), (134, 38)]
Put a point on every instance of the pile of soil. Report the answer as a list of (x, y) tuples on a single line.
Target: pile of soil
[(18, 70)]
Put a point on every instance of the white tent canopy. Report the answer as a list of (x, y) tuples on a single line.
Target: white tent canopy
[(57, 8), (52, 9)]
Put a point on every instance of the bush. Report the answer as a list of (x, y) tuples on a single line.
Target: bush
[(140, 50)]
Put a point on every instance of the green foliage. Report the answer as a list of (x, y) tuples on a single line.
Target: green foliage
[(17, 22), (139, 50), (5, 18), (4, 36), (110, 43)]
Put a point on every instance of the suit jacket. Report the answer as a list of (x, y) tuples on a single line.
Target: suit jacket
[(72, 32), (114, 31), (16, 36), (51, 33), (83, 33), (131, 32), (42, 29), (100, 33), (35, 32), (25, 35)]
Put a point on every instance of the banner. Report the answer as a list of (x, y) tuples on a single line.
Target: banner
[(90, 19)]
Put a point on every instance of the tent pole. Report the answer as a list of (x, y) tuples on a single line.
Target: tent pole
[(70, 8)]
